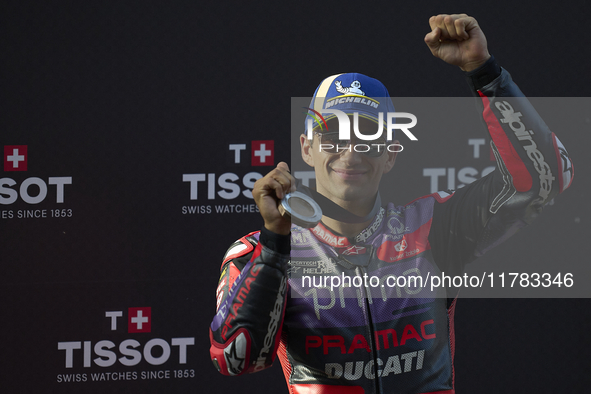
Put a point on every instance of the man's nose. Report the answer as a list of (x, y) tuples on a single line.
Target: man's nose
[(350, 155)]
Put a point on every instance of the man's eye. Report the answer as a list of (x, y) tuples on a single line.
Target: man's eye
[(332, 140)]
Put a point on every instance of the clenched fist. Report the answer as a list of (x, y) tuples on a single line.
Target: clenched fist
[(267, 193), (457, 39)]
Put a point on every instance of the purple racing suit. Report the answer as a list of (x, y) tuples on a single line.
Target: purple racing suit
[(377, 331)]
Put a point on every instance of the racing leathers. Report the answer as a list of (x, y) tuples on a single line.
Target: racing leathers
[(375, 330)]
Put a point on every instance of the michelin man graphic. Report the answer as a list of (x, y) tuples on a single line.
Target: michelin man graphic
[(355, 88)]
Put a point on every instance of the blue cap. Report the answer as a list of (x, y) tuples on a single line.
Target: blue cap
[(351, 92)]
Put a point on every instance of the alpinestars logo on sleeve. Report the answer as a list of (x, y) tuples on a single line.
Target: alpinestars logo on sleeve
[(235, 355)]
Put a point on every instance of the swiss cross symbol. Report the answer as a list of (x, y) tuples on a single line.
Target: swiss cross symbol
[(15, 157), (140, 319), (262, 153)]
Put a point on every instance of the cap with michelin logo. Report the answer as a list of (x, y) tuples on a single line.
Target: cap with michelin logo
[(352, 92)]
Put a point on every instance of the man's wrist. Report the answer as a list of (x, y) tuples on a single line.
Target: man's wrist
[(484, 74), (277, 242)]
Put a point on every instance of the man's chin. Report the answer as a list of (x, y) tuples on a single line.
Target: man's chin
[(354, 194), (349, 191)]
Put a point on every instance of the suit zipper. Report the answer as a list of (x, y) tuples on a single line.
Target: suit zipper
[(372, 343)]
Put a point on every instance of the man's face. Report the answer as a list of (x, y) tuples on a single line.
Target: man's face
[(349, 176)]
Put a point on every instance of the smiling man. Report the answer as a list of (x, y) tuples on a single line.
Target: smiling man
[(350, 325), (349, 172)]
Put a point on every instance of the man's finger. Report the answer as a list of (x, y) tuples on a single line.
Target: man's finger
[(277, 185), (284, 180), (450, 28), (460, 26), (283, 165), (432, 38), (469, 23), (432, 24), (465, 24)]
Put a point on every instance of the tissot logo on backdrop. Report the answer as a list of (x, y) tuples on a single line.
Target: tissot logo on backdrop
[(456, 178), (172, 352), (212, 190), (18, 188)]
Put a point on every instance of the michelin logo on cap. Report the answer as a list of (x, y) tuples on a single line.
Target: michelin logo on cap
[(355, 88), (351, 95)]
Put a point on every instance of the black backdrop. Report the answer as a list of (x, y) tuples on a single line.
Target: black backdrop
[(127, 99)]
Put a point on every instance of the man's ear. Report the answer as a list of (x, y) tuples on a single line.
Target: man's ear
[(391, 157), (306, 147)]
